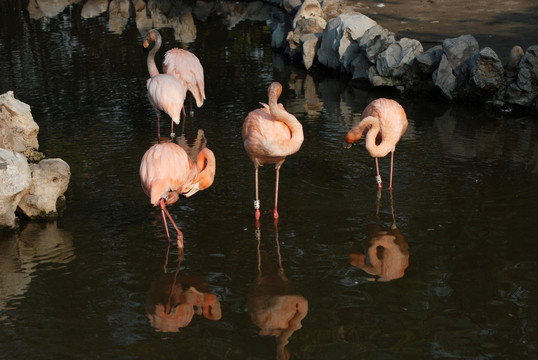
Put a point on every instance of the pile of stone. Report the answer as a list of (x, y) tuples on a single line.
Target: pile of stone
[(30, 185), (325, 34)]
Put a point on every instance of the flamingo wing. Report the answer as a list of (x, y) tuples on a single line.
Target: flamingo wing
[(167, 94), (186, 67)]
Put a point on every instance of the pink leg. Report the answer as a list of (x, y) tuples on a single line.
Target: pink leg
[(159, 125), (378, 177), (257, 201), (391, 166), (179, 233), (275, 212)]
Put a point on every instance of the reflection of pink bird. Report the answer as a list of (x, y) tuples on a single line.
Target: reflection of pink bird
[(269, 135), (167, 172), (165, 92), (384, 122), (181, 64)]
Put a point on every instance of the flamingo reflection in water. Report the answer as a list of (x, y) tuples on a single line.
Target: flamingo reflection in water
[(387, 252), (273, 304), (173, 300), (166, 172)]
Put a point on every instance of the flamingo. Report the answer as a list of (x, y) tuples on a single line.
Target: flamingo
[(384, 122), (165, 92), (181, 64), (166, 172), (269, 135)]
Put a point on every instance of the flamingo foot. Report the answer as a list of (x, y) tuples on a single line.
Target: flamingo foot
[(172, 135)]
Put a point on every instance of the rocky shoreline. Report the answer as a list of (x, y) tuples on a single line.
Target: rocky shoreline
[(327, 34), (31, 186)]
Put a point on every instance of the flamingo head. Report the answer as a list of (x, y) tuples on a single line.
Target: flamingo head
[(151, 36), (274, 90)]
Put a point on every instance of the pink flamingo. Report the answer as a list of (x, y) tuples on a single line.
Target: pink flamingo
[(181, 64), (165, 92), (384, 122), (269, 135), (166, 172)]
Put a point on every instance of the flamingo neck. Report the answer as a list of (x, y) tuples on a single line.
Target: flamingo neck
[(296, 129), (375, 148), (206, 164), (152, 67)]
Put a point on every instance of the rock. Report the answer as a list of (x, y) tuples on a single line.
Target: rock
[(15, 179), (487, 74), (353, 27), (332, 8), (328, 49), (514, 58), (309, 9), (458, 50), (304, 26), (444, 78), (524, 91), (397, 59), (309, 44), (50, 179), (118, 15), (93, 8), (429, 60), (18, 130), (375, 40)]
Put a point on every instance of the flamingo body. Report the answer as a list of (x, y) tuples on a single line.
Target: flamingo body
[(270, 134), (383, 122), (166, 172), (166, 94), (186, 67)]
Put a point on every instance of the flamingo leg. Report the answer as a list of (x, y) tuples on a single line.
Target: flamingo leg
[(391, 166), (179, 233), (378, 177), (275, 212), (158, 125), (257, 201)]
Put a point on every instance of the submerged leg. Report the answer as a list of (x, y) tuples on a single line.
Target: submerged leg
[(275, 212), (257, 201), (378, 177)]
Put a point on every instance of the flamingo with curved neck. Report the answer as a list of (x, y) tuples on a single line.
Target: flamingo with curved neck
[(270, 134), (384, 122), (165, 92), (166, 172)]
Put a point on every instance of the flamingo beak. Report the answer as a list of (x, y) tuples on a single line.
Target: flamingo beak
[(192, 190)]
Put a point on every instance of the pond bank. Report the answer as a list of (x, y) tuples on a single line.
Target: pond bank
[(332, 35)]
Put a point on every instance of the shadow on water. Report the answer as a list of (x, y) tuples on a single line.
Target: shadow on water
[(92, 284)]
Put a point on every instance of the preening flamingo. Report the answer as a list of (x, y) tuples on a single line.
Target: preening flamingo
[(269, 135), (165, 92), (166, 172), (181, 64), (384, 122)]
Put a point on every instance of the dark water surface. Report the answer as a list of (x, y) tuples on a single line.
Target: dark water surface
[(463, 249)]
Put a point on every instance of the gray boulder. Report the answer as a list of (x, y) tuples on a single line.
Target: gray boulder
[(487, 74)]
